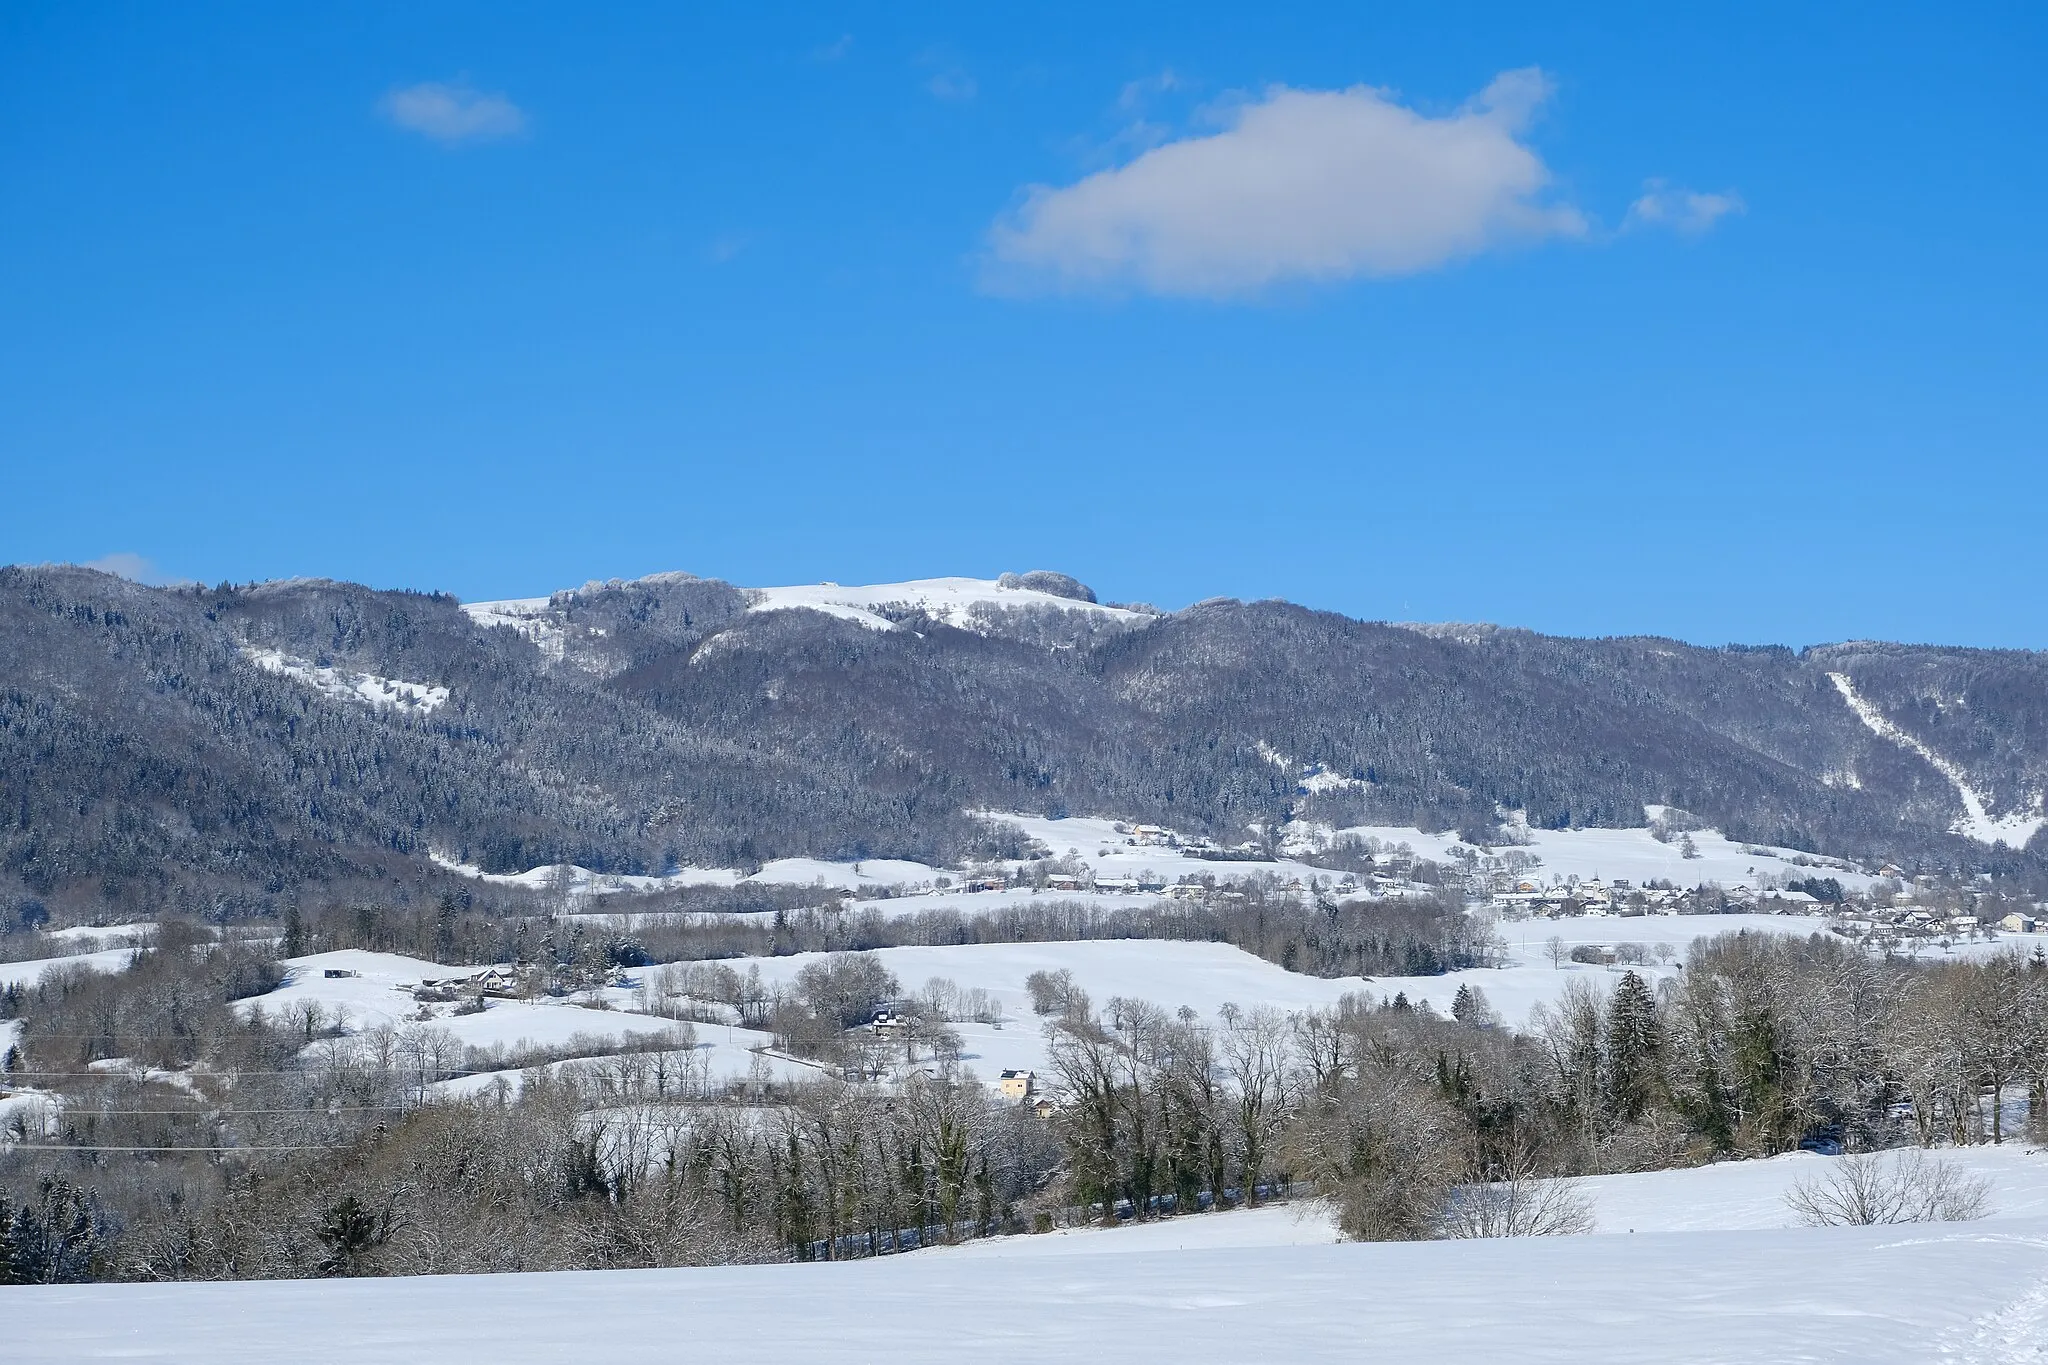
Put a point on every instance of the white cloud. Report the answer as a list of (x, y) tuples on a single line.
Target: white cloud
[(136, 569), (1301, 185), (1687, 211), (952, 84), (1138, 93), (453, 113)]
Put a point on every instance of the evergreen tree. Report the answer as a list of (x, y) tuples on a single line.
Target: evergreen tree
[(7, 1273), (1634, 1048)]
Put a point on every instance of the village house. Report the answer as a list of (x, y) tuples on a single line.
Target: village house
[(1018, 1085), (2016, 923)]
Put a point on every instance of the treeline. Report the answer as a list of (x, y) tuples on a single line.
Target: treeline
[(1311, 933), (351, 1156), (1412, 1122)]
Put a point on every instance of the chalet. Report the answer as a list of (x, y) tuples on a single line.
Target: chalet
[(1061, 881), (1018, 1085), (1122, 886), (499, 981), (1151, 834), (1187, 891), (1043, 1108)]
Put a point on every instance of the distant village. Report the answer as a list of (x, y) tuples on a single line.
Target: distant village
[(1898, 908)]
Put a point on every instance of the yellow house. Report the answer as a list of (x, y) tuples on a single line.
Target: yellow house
[(1017, 1085)]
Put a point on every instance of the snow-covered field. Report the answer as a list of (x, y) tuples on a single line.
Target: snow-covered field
[(1732, 1196), (951, 600), (722, 1053), (372, 997), (1631, 855), (105, 960), (367, 688), (1202, 976), (1098, 841), (1199, 1293), (105, 933), (581, 881), (1745, 1195)]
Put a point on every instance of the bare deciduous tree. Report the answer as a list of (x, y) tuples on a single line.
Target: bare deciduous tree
[(1905, 1186)]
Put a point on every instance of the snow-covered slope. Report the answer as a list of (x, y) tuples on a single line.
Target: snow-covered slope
[(105, 960), (1635, 855), (581, 881), (2013, 829), (529, 616), (951, 600), (367, 688), (375, 995), (1967, 1292)]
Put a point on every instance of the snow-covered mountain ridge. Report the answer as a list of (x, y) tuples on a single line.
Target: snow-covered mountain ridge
[(329, 732)]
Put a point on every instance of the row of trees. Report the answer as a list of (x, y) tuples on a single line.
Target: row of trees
[(1767, 1043), (348, 1155)]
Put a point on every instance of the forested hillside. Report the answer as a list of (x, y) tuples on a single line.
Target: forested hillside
[(233, 749)]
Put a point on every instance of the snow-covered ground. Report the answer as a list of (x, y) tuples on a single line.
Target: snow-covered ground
[(530, 616), (2012, 829), (1962, 1292), (1105, 850), (368, 688), (723, 1053), (581, 882), (1730, 1196), (576, 880), (1204, 976), (372, 997), (1737, 1195), (98, 934), (951, 600), (1631, 855), (105, 960)]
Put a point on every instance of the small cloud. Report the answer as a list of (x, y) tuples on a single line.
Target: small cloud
[(724, 248), (1299, 185), (134, 568), (453, 113), (952, 84), (833, 51), (1138, 93), (1686, 211)]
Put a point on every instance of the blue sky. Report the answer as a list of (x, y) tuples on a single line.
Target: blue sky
[(1727, 326)]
